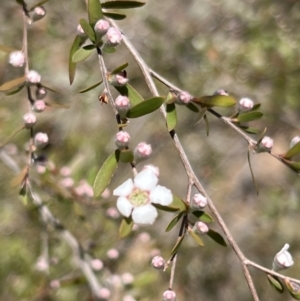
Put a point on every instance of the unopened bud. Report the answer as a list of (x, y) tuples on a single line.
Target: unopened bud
[(221, 92), (96, 264), (127, 278), (142, 151), (39, 106), (118, 80), (101, 28), (158, 262), (17, 58), (104, 293), (67, 182), (200, 228), (169, 295), (29, 120), (246, 104), (81, 33), (41, 140), (112, 253), (84, 189), (265, 145), (55, 284), (199, 201), (122, 105), (122, 139), (183, 98), (33, 77), (113, 37), (283, 259), (112, 212), (40, 93), (38, 13), (294, 141)]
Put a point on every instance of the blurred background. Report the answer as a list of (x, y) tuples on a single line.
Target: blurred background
[(250, 48)]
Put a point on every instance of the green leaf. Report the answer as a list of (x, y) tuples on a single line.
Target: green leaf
[(12, 84), (249, 116), (192, 107), (293, 165), (38, 4), (206, 124), (146, 107), (16, 91), (122, 4), (7, 49), (177, 245), (293, 288), (174, 221), (72, 66), (275, 282), (217, 237), (82, 54), (215, 100), (200, 115), (203, 216), (90, 88), (256, 106), (251, 171), (48, 88), (133, 95), (179, 203), (196, 238), (249, 130), (125, 227), (295, 150), (94, 12), (108, 49), (114, 16), (105, 173), (165, 208), (88, 29), (126, 156), (171, 116), (120, 68)]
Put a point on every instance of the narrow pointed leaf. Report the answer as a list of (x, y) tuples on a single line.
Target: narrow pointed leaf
[(177, 245), (293, 288), (81, 54), (126, 156), (19, 89), (293, 165), (262, 135), (108, 49), (7, 49), (12, 84), (171, 116), (203, 216), (251, 171), (72, 66), (217, 237), (256, 107), (49, 88), (295, 150), (120, 68), (91, 87), (215, 100), (196, 238), (146, 107), (122, 4), (38, 4), (125, 227), (19, 179), (94, 12), (133, 95), (192, 107), (165, 208), (174, 221), (249, 116), (206, 124), (179, 203), (87, 29), (250, 130), (105, 173), (200, 115), (114, 16), (275, 282)]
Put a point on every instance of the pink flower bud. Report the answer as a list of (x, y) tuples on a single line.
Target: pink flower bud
[(67, 182), (112, 212), (113, 37), (17, 58), (80, 32), (38, 13), (283, 259), (199, 201), (39, 106), (65, 171), (29, 120), (42, 264), (200, 228), (158, 262), (127, 278), (122, 105), (183, 98), (55, 284), (96, 264), (33, 77), (104, 293), (40, 93), (122, 139), (101, 28), (112, 253), (144, 237), (41, 140), (142, 151), (266, 144), (294, 141), (246, 104), (221, 92), (128, 298), (169, 295), (84, 189)]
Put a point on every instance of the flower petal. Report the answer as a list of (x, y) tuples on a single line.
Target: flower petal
[(124, 206), (124, 189), (161, 195), (146, 180), (144, 215)]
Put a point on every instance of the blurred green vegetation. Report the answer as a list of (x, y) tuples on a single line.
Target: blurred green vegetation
[(250, 48)]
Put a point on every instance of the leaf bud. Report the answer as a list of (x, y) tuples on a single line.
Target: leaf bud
[(200, 228), (294, 141), (113, 37), (122, 139), (38, 13), (283, 259), (142, 151), (169, 295), (246, 104), (29, 120), (17, 58), (33, 77), (158, 262), (199, 201), (39, 106), (41, 140)]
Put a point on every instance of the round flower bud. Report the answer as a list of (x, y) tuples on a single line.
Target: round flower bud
[(84, 189), (101, 28), (39, 106), (112, 212), (33, 77), (81, 33), (17, 58), (283, 259), (246, 104), (55, 284), (199, 201), (266, 144), (67, 182), (29, 120), (38, 13), (112, 253), (104, 293), (294, 141), (122, 139), (221, 92), (200, 228), (158, 262), (169, 295), (118, 80), (40, 140), (40, 93), (142, 151), (127, 278), (113, 37), (183, 98), (122, 105), (42, 264), (128, 298), (96, 264)]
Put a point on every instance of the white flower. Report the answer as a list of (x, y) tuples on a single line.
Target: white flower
[(135, 197), (283, 259)]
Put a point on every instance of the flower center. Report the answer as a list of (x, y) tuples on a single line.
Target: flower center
[(139, 197)]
